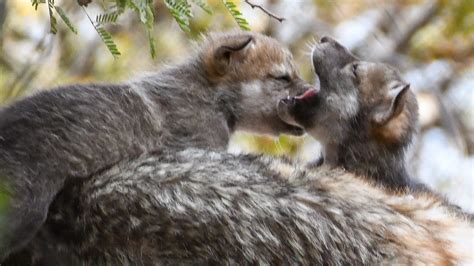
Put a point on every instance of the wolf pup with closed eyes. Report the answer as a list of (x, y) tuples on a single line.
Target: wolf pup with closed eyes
[(232, 82)]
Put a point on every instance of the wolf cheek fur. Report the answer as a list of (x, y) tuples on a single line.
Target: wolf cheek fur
[(72, 132)]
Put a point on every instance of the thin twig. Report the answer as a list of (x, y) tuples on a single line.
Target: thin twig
[(270, 14), (25, 76), (426, 13)]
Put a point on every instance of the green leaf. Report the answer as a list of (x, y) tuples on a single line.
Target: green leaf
[(121, 4), (151, 43), (65, 19), (35, 3), (144, 8), (236, 14), (105, 36), (107, 39), (203, 5), (149, 29), (180, 10), (52, 20), (111, 17), (142, 5)]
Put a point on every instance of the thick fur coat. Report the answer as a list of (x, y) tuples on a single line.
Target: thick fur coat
[(200, 207)]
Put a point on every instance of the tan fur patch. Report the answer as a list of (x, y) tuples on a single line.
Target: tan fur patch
[(283, 169), (254, 62), (394, 130), (443, 235)]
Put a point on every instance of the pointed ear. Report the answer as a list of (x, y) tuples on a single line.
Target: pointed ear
[(397, 97), (229, 49)]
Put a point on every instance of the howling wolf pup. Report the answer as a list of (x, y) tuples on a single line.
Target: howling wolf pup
[(70, 133), (364, 115)]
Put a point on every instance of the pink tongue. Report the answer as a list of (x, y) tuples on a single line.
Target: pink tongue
[(310, 93)]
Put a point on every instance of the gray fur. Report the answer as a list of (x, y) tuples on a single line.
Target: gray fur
[(341, 116), (202, 207), (73, 132), (198, 207)]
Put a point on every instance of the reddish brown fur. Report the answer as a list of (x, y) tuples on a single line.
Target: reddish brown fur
[(260, 57), (373, 84), (393, 131), (433, 233)]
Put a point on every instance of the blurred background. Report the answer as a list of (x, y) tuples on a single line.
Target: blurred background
[(431, 42)]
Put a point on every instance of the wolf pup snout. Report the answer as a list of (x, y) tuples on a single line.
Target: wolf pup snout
[(286, 106)]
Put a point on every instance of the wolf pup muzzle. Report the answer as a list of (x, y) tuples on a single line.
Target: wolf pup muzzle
[(286, 105)]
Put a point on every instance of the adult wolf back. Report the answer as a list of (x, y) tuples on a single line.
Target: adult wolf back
[(207, 207)]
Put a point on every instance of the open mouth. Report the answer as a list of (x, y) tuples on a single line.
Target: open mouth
[(307, 96), (286, 106)]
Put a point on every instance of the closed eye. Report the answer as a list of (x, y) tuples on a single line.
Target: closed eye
[(283, 78), (354, 69)]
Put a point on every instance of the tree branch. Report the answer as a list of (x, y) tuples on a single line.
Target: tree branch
[(424, 15), (266, 11), (30, 69)]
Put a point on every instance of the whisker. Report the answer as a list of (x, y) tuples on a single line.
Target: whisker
[(309, 46)]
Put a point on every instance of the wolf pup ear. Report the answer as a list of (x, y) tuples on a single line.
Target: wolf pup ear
[(229, 50), (396, 104)]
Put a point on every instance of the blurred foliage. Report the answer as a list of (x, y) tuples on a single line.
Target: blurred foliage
[(281, 146), (179, 9), (451, 35), (4, 203), (459, 16)]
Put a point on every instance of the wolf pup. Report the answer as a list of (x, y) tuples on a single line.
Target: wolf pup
[(364, 115), (231, 83)]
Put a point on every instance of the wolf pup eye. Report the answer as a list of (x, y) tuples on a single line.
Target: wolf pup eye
[(283, 78), (354, 69)]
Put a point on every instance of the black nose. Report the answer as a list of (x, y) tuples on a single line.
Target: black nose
[(326, 39), (332, 42)]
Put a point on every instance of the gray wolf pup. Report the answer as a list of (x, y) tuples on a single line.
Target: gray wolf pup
[(364, 114), (232, 82)]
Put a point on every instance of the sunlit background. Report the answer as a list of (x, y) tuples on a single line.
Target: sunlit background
[(431, 42)]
